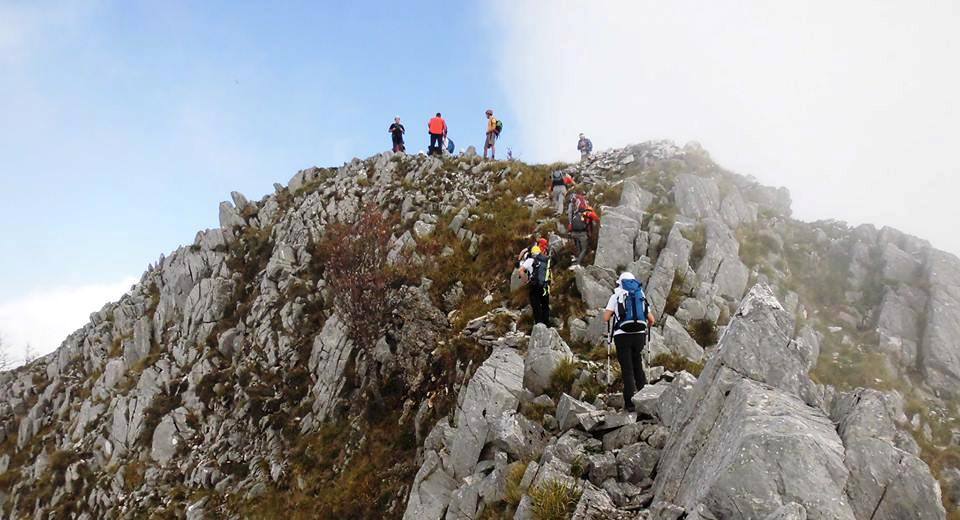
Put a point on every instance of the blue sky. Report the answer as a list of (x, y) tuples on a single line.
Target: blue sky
[(125, 123)]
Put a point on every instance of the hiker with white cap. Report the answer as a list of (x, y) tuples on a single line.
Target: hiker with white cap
[(630, 316)]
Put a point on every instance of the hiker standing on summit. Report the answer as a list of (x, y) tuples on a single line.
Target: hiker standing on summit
[(437, 128), (627, 308), (396, 135), (493, 132), (585, 146)]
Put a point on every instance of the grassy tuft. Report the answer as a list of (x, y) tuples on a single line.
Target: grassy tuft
[(554, 500), (563, 376), (678, 363), (513, 491), (704, 332)]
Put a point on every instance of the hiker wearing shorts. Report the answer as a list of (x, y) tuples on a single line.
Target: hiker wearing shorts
[(491, 140)]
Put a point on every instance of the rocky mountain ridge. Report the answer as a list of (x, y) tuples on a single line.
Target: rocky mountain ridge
[(224, 384)]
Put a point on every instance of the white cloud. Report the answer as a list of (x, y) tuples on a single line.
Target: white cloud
[(853, 105), (44, 318)]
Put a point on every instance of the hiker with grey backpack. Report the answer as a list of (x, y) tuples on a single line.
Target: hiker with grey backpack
[(630, 318)]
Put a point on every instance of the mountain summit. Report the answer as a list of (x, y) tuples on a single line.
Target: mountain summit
[(354, 345)]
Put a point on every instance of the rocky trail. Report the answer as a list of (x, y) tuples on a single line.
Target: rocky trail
[(797, 370)]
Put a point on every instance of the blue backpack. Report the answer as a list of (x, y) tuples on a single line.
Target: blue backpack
[(632, 311)]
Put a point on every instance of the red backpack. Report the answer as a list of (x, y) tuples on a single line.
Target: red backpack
[(580, 202)]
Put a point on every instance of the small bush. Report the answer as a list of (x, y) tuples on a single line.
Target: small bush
[(554, 500), (697, 235), (161, 405), (675, 296), (513, 492), (678, 363), (359, 276), (563, 377), (704, 332), (578, 468)]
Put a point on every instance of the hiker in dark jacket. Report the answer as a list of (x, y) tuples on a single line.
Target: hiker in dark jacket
[(396, 135), (585, 146), (535, 272), (631, 318)]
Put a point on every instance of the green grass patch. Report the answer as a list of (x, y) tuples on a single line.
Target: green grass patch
[(554, 500)]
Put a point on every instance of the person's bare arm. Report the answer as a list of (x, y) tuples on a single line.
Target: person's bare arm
[(650, 319), (607, 315)]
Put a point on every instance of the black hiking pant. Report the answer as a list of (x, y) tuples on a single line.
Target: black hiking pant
[(436, 144), (629, 347), (540, 302)]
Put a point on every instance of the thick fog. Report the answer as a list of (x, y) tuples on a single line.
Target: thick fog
[(851, 105)]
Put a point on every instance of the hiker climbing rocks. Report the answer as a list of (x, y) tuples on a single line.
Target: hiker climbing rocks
[(494, 127), (437, 128), (585, 146), (559, 182), (631, 319), (535, 272), (396, 135), (581, 220)]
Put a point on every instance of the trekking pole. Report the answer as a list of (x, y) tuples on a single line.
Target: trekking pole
[(609, 340)]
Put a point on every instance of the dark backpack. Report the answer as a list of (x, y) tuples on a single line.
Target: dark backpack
[(499, 127), (541, 271), (557, 178), (576, 222), (632, 311)]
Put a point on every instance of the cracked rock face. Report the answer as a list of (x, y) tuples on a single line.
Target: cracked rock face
[(749, 438)]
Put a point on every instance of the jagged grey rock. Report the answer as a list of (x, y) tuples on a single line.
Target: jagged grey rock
[(328, 359), (939, 358), (791, 511), (615, 242), (545, 351), (671, 400), (637, 462), (567, 410), (747, 420), (431, 491), (491, 392), (647, 400), (678, 341), (673, 259), (697, 197), (635, 197), (595, 285), (520, 437), (721, 264)]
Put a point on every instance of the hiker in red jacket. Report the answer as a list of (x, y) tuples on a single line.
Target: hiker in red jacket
[(438, 130)]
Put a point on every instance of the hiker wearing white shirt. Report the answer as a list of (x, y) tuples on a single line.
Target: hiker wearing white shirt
[(631, 318)]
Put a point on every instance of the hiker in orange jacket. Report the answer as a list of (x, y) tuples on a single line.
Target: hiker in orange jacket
[(437, 128)]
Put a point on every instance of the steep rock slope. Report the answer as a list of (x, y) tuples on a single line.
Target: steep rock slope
[(224, 384)]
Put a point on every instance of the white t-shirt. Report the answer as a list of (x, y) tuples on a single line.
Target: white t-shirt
[(527, 265), (613, 305)]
